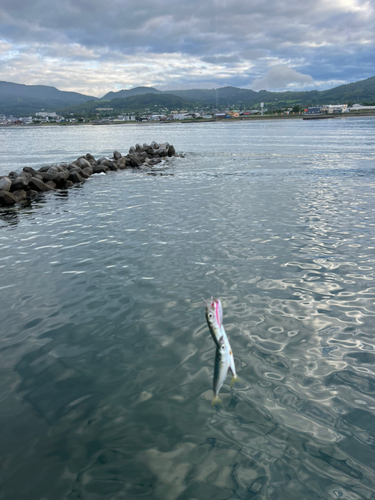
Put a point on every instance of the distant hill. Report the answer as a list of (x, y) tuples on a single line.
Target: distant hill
[(225, 96), (21, 100), (362, 91), (129, 93), (152, 103), (18, 99)]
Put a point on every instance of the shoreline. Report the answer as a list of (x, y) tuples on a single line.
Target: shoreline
[(200, 120)]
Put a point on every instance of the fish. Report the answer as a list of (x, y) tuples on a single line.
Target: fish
[(214, 317), (221, 369)]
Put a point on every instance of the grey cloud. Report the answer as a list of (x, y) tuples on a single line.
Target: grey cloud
[(239, 40)]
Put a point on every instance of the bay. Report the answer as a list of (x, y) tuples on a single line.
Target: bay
[(106, 361)]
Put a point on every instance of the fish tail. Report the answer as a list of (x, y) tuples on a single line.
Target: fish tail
[(235, 378), (216, 400)]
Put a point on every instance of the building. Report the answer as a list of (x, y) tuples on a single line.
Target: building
[(359, 107), (45, 114), (335, 108), (313, 110), (126, 118)]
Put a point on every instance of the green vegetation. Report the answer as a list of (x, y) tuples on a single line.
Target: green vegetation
[(23, 100), (134, 105)]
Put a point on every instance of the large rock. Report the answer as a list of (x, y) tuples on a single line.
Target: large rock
[(60, 178), (5, 184), (135, 160), (117, 155), (46, 176), (83, 163), (38, 185), (171, 150), (86, 172), (30, 170), (31, 194), (53, 170), (123, 162), (100, 169), (90, 158), (112, 165), (51, 184), (75, 177), (6, 198), (20, 182), (19, 195)]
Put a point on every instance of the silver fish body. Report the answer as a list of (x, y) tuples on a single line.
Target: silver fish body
[(214, 317), (224, 359), (222, 364)]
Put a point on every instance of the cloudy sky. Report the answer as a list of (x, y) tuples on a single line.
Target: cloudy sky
[(93, 46)]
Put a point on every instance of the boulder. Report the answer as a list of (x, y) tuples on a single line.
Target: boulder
[(138, 148), (103, 161), (32, 194), (12, 175), (19, 195), (20, 182), (38, 185), (51, 184), (46, 176), (131, 150), (75, 177), (117, 155), (68, 184), (86, 172), (100, 169), (53, 170), (90, 158), (112, 165), (135, 160), (60, 178), (83, 163), (5, 184), (171, 150), (44, 169), (30, 170), (123, 162), (7, 198)]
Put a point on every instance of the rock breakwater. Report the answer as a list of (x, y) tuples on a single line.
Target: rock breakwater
[(30, 183)]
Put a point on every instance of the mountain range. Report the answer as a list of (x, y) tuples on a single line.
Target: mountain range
[(21, 100)]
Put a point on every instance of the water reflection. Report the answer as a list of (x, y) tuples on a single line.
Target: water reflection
[(106, 358)]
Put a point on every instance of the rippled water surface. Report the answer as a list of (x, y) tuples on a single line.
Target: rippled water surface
[(106, 361)]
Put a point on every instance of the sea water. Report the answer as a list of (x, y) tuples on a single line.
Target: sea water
[(106, 360)]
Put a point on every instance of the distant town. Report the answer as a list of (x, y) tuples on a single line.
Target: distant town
[(103, 115)]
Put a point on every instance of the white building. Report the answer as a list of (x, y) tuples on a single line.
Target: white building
[(359, 107), (45, 114), (126, 118)]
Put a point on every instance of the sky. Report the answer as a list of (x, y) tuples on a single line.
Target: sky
[(93, 47)]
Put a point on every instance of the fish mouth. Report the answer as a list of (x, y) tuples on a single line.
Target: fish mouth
[(214, 306)]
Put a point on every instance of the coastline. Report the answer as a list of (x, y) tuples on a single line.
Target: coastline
[(200, 120)]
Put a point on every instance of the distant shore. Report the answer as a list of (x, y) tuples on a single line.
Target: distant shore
[(199, 120)]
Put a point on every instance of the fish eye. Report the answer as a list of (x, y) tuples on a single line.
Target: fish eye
[(210, 315), (222, 347)]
